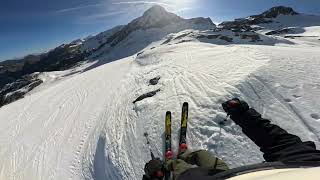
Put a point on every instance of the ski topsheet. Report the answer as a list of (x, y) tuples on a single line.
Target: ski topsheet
[(168, 150), (183, 135), (183, 129)]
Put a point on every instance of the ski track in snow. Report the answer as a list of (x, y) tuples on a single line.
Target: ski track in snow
[(86, 126)]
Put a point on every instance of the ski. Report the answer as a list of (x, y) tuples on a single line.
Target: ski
[(168, 150), (183, 129)]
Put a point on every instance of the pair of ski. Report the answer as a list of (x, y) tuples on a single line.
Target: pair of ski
[(183, 136)]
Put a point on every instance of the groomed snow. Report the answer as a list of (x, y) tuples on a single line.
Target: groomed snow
[(85, 126)]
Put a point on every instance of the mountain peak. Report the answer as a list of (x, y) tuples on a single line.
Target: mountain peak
[(154, 17), (155, 10), (279, 10), (157, 16)]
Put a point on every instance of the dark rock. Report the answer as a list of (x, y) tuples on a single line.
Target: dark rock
[(291, 37), (279, 10), (16, 90), (244, 24), (146, 95), (281, 31), (167, 41), (226, 38), (11, 98), (183, 41), (217, 29), (182, 35), (18, 84), (201, 36), (18, 77), (139, 53), (154, 81), (237, 26), (251, 37), (60, 58), (210, 36), (34, 84), (297, 36), (213, 36)]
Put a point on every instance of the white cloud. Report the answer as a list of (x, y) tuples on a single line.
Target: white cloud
[(141, 2), (99, 12), (66, 10), (103, 15)]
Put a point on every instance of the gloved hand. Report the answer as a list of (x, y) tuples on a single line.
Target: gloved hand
[(154, 169), (235, 107)]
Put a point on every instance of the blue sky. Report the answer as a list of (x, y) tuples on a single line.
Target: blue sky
[(33, 26)]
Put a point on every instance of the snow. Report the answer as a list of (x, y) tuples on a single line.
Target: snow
[(85, 126), (306, 25), (94, 42), (139, 39)]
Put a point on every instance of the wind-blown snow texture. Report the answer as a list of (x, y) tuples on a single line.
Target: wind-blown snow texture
[(85, 126)]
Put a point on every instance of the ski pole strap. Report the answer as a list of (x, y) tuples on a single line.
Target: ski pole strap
[(152, 155), (215, 163)]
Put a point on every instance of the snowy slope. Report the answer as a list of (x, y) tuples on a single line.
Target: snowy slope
[(96, 41), (84, 125), (303, 29)]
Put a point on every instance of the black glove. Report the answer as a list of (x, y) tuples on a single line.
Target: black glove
[(154, 169), (235, 107)]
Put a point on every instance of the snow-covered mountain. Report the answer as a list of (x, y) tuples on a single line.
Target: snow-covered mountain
[(89, 124), (152, 26), (113, 44), (95, 42)]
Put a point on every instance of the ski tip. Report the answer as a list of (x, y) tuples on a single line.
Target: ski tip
[(168, 112), (185, 104)]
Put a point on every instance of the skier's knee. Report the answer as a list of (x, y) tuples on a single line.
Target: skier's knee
[(203, 158)]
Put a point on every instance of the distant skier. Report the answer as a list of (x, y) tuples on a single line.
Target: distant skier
[(280, 149)]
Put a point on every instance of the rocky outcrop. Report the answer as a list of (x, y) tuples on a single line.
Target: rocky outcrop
[(17, 74), (281, 31), (154, 81), (244, 24), (17, 89), (182, 35), (167, 40), (278, 10), (212, 36), (60, 58), (236, 26), (215, 36), (146, 95), (226, 38), (251, 37)]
